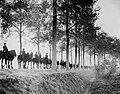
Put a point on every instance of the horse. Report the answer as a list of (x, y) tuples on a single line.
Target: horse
[(46, 62), (35, 61), (30, 60), (38, 61), (8, 56), (63, 64), (20, 59), (23, 59)]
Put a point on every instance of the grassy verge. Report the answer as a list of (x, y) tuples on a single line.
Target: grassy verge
[(42, 82)]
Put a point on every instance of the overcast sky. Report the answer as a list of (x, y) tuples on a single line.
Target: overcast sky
[(109, 18)]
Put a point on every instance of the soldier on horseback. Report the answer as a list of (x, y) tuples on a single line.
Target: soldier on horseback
[(46, 56), (36, 55), (23, 57), (5, 50), (23, 53), (35, 60)]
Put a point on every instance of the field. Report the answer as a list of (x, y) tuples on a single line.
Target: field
[(22, 81), (26, 81)]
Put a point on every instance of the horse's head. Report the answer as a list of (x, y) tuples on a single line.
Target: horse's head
[(13, 52)]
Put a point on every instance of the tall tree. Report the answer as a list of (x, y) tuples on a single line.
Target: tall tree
[(54, 57), (37, 20), (13, 14)]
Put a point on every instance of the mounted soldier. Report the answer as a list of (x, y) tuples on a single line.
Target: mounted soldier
[(23, 53), (8, 56), (35, 60), (46, 56), (36, 55), (5, 50)]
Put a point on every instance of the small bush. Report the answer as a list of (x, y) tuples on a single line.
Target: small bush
[(111, 86), (105, 69)]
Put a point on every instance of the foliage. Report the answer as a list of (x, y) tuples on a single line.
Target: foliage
[(110, 86), (10, 13), (100, 87), (105, 69)]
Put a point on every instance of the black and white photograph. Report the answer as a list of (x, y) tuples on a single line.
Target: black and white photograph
[(59, 46)]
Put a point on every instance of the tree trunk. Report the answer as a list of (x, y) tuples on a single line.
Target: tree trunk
[(54, 57), (98, 58), (50, 51), (90, 59), (38, 45), (61, 55), (79, 54), (75, 53), (20, 38), (94, 56), (83, 56), (75, 35), (67, 37), (20, 34), (71, 56)]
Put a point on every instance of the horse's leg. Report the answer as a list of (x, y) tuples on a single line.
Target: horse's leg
[(6, 63), (28, 65), (45, 66), (40, 65), (18, 64), (31, 64), (25, 65), (11, 64), (37, 65), (2, 64)]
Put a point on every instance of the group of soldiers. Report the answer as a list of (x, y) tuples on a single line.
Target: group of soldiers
[(5, 49), (29, 58), (25, 57), (36, 55)]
